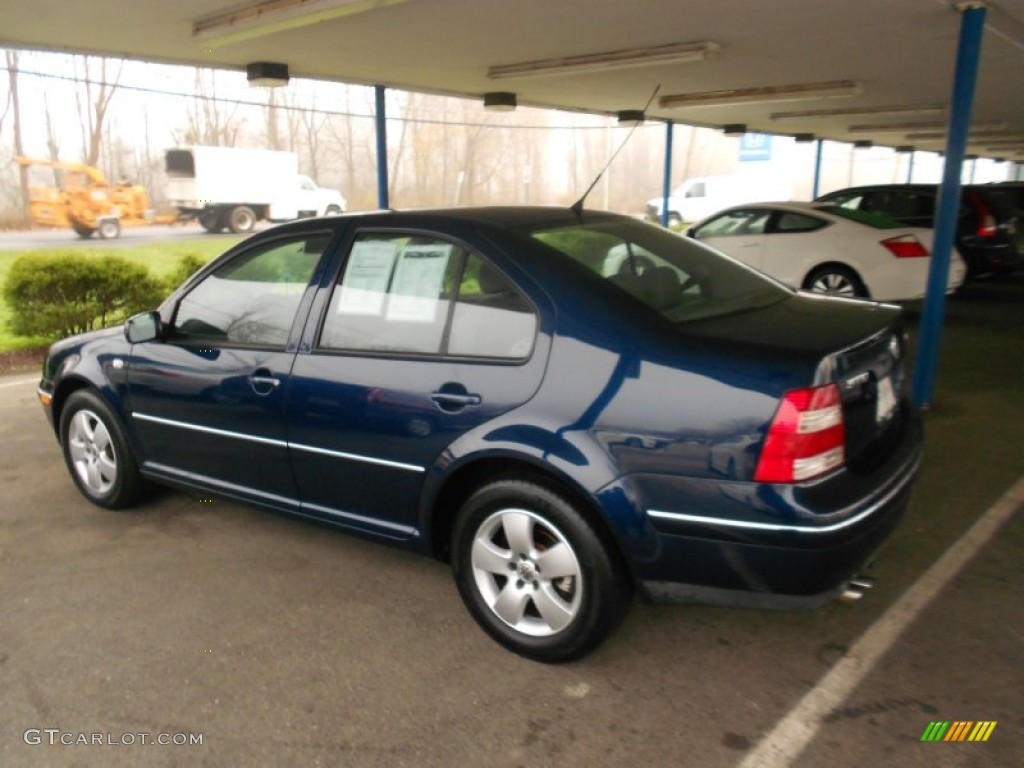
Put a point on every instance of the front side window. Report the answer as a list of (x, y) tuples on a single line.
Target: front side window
[(252, 299), (403, 294)]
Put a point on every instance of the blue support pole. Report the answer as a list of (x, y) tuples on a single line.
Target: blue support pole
[(910, 168), (815, 187), (382, 147), (666, 184), (968, 54)]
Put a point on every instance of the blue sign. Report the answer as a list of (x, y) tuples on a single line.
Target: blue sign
[(755, 147)]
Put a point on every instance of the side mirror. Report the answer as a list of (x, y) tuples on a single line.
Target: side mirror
[(143, 327)]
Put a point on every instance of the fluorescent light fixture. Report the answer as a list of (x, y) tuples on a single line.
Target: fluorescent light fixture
[(768, 93), (978, 132), (600, 62), (631, 117), (500, 101), (269, 74), (895, 127), (914, 109), (734, 129), (272, 16)]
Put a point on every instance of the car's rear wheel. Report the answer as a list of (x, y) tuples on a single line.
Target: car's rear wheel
[(534, 574), (97, 454), (836, 280)]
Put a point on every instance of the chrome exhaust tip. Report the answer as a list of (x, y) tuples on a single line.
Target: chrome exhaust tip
[(856, 588)]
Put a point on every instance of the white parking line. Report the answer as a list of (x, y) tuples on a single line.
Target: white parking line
[(18, 382), (790, 737)]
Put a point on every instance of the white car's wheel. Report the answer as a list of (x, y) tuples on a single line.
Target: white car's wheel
[(836, 280)]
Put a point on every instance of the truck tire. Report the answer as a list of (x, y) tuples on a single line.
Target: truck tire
[(332, 210), (211, 220), (241, 220), (83, 231), (109, 229)]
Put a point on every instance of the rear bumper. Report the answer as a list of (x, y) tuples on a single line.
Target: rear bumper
[(756, 544)]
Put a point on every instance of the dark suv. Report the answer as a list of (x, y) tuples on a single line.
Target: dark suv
[(987, 229)]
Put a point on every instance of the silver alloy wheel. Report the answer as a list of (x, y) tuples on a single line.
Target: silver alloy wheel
[(527, 572), (92, 452), (834, 283)]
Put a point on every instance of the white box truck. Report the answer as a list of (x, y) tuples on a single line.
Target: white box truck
[(701, 196), (233, 188)]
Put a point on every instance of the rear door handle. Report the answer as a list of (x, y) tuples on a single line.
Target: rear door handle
[(453, 397)]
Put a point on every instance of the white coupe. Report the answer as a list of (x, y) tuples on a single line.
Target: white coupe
[(828, 249)]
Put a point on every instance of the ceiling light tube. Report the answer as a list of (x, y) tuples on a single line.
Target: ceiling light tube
[(272, 16), (600, 62), (913, 109), (990, 130), (794, 92)]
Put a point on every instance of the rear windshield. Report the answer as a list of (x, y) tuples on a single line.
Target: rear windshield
[(679, 278), (876, 220)]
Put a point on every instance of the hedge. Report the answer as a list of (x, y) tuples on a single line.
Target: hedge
[(62, 293)]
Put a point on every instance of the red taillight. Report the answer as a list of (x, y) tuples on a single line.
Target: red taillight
[(987, 225), (905, 247), (806, 437)]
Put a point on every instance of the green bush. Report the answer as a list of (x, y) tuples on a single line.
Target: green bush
[(189, 264), (62, 293)]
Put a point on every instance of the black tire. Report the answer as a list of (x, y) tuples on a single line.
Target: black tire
[(109, 229), (96, 452), (836, 280), (552, 617), (211, 220), (241, 220), (83, 231), (332, 210)]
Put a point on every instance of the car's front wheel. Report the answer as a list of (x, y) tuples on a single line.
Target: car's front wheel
[(96, 452), (534, 574)]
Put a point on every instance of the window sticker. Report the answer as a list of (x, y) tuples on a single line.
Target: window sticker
[(419, 279), (366, 277)]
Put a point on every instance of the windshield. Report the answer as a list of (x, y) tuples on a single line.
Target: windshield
[(679, 278)]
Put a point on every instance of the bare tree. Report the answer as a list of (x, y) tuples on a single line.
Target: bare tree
[(93, 97), (208, 121), (12, 79)]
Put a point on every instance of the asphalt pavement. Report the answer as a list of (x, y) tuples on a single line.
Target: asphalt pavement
[(277, 642)]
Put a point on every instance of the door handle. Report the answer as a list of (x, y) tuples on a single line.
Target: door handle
[(263, 382), (454, 397)]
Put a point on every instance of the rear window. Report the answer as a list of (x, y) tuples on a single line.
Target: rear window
[(675, 276), (876, 220)]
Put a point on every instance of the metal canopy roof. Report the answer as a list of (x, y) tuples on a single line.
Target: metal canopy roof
[(814, 58)]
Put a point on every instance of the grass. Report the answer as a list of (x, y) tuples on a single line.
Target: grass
[(159, 258)]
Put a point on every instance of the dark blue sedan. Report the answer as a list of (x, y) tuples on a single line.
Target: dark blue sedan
[(567, 406)]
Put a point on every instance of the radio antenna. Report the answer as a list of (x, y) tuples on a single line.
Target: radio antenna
[(577, 207)]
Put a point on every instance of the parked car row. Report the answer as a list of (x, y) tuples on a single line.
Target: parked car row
[(871, 242), (989, 223)]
